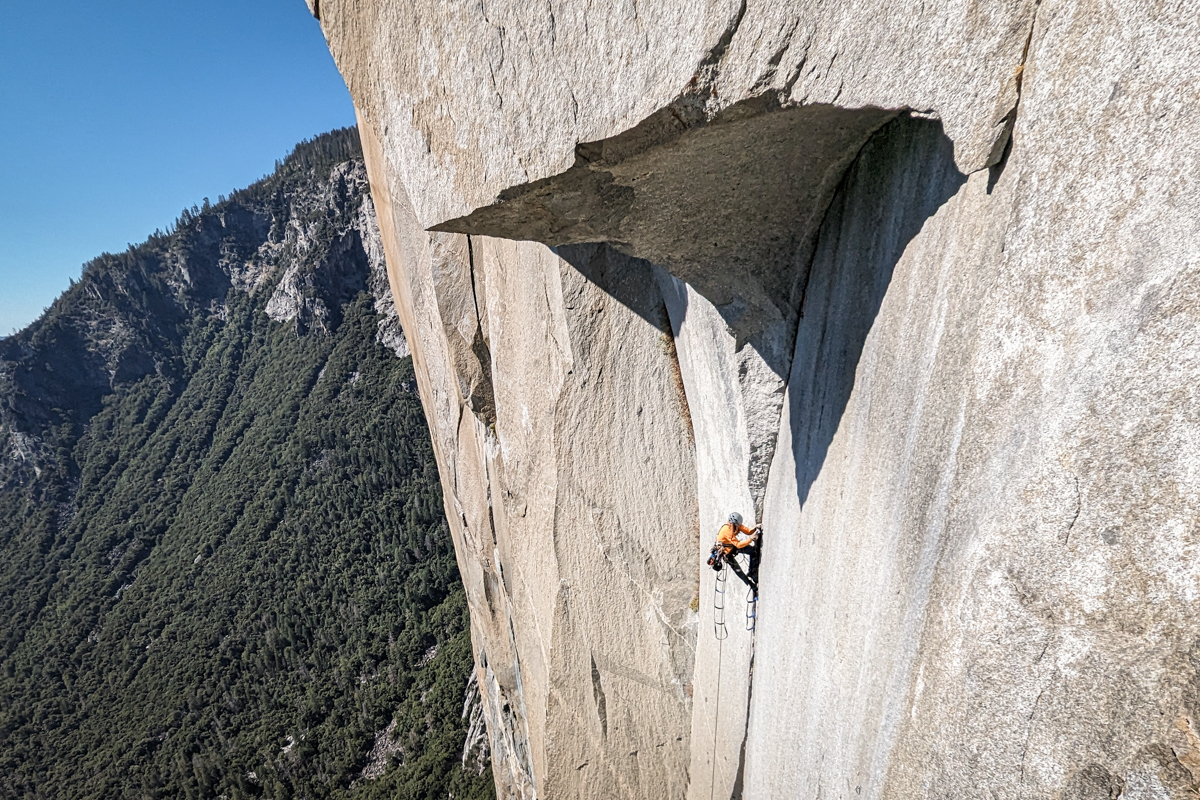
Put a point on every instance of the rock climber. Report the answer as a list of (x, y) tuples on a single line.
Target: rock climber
[(728, 544)]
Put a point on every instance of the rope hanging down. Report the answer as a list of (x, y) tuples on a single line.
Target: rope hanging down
[(719, 561), (712, 753)]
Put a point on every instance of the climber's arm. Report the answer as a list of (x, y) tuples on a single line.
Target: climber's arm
[(751, 532)]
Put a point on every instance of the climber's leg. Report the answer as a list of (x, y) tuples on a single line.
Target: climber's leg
[(755, 557), (737, 570)]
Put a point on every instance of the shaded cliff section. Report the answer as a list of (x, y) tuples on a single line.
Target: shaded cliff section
[(930, 293)]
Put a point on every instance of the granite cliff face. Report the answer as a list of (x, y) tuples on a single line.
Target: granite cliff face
[(914, 286)]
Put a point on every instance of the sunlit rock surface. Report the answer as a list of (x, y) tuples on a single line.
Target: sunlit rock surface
[(916, 286)]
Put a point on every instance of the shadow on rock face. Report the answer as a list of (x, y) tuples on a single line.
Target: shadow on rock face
[(731, 205), (902, 176), (629, 281), (768, 214), (1093, 782), (833, 272)]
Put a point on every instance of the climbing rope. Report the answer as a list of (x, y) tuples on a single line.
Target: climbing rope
[(712, 779), (722, 633)]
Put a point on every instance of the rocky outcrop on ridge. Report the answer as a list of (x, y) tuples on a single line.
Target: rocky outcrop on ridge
[(309, 236), (916, 286)]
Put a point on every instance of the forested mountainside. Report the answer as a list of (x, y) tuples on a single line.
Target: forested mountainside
[(224, 566)]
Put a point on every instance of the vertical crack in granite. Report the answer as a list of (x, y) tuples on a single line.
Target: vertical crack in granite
[(1007, 119), (598, 696), (703, 83), (483, 401)]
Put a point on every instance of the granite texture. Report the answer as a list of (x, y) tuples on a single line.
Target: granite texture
[(916, 286)]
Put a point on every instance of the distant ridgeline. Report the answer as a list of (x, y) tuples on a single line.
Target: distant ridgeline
[(224, 566)]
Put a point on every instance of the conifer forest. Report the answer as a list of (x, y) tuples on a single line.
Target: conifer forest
[(225, 569)]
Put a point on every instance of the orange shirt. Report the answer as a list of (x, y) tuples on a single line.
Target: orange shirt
[(728, 535)]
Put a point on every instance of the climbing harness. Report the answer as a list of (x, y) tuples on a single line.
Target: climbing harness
[(716, 557)]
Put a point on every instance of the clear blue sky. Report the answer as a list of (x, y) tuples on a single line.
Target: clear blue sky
[(116, 115)]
